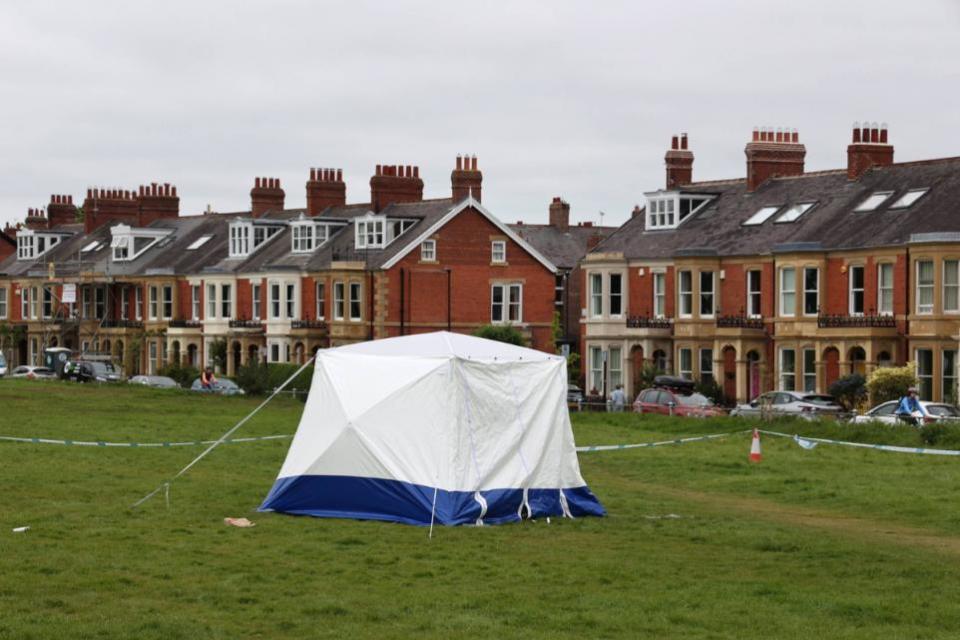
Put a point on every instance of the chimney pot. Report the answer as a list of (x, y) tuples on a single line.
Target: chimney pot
[(674, 143), (459, 163), (339, 175), (683, 141), (473, 163), (756, 134), (856, 132), (875, 133), (883, 133)]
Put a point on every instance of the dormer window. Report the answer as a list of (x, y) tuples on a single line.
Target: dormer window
[(668, 210), (371, 232), (246, 236), (32, 244), (129, 243), (303, 237)]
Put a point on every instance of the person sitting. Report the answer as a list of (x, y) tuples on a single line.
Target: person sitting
[(910, 411), (207, 379)]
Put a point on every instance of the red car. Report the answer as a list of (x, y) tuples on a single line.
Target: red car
[(673, 401)]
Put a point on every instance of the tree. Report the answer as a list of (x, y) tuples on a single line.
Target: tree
[(849, 390), (501, 333), (218, 354), (891, 383)]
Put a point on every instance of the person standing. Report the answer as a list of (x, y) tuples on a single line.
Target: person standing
[(618, 398)]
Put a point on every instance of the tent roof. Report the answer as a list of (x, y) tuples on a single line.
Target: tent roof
[(443, 344)]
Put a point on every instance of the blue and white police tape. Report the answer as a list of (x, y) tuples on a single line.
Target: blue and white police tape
[(101, 443), (805, 441), (615, 447)]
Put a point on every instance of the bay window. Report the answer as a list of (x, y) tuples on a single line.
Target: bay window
[(338, 297), (660, 295), (321, 294), (810, 370), (685, 291), (211, 301), (885, 289), (924, 286), (924, 358), (356, 301), (951, 286), (856, 290), (256, 301), (596, 295), (616, 367), (788, 291), (291, 301), (226, 302), (811, 291), (754, 310), (167, 302), (707, 305), (685, 363), (616, 294), (706, 365)]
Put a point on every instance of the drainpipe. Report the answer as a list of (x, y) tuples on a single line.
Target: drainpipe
[(371, 293), (906, 317), (449, 278), (402, 278)]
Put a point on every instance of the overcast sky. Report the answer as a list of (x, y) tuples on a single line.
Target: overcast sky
[(576, 99)]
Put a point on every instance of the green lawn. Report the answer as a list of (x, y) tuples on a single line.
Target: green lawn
[(700, 543)]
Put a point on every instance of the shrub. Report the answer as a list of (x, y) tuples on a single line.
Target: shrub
[(501, 333), (849, 390), (253, 377), (712, 389), (184, 376), (934, 433), (645, 378), (218, 354), (891, 383), (257, 378)]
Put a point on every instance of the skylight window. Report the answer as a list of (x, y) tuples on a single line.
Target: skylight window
[(874, 200), (199, 242), (907, 199), (793, 212), (761, 216), (93, 246)]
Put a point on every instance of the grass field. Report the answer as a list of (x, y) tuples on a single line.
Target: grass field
[(699, 543)]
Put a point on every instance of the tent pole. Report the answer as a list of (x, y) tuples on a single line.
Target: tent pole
[(433, 512), (223, 437)]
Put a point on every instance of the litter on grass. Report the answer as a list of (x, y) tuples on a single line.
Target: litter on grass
[(21, 529), (243, 523)]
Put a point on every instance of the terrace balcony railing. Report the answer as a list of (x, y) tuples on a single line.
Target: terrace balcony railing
[(185, 324), (648, 322), (246, 324), (308, 324), (841, 321), (741, 321)]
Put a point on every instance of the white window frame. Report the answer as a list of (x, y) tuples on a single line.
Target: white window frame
[(708, 369), (370, 232), (256, 300), (510, 304), (685, 295), (596, 370), (596, 295), (853, 291), (948, 376), (754, 294), (428, 251), (125, 303), (685, 363), (784, 292), (884, 284), (498, 251), (153, 308), (138, 302), (226, 301), (302, 237), (47, 306), (290, 300), (211, 301), (339, 300), (25, 302), (809, 373), (712, 294), (275, 300), (951, 270), (815, 291), (195, 307), (321, 291), (615, 365), (3, 303), (166, 314), (659, 294), (615, 296), (924, 309), (923, 377), (784, 374), (240, 233), (355, 290)]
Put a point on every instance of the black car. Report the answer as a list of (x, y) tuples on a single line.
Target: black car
[(85, 371)]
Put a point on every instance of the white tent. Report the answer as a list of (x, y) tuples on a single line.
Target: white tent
[(439, 425)]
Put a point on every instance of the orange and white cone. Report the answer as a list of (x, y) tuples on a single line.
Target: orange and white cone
[(755, 455)]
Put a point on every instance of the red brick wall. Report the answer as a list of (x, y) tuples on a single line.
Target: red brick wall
[(185, 311), (326, 297), (833, 296), (900, 280), (641, 291), (768, 290), (7, 249), (308, 299), (244, 308), (733, 290), (463, 245), (671, 292)]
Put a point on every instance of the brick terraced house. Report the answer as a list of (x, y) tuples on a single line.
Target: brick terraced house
[(783, 279), (132, 278)]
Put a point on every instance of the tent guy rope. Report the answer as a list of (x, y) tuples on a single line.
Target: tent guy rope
[(166, 485)]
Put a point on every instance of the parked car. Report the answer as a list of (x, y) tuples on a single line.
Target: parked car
[(574, 394), (3, 365), (223, 387), (156, 382), (33, 373), (791, 403), (675, 396), (91, 371), (886, 413)]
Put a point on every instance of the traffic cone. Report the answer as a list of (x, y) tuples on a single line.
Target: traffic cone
[(755, 455)]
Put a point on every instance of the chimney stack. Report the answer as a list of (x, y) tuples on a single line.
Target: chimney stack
[(266, 195), (393, 184), (104, 206), (637, 211), (869, 148), (679, 161), (36, 219), (61, 210), (325, 188), (466, 179), (559, 214), (773, 154), (157, 201)]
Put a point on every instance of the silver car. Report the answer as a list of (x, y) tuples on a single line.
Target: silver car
[(886, 413), (33, 373), (790, 403), (157, 382)]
